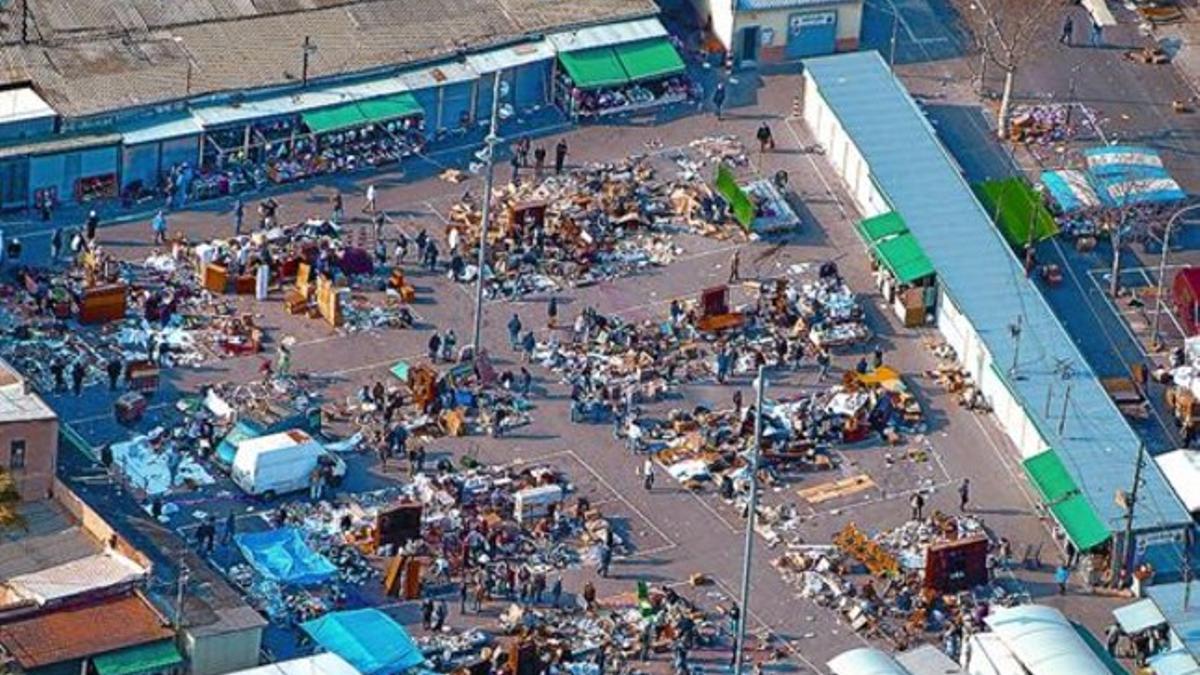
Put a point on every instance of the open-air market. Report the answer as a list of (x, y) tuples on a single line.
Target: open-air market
[(381, 337)]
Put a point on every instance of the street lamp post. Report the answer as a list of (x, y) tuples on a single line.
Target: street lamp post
[(1162, 271), (751, 517), (492, 141)]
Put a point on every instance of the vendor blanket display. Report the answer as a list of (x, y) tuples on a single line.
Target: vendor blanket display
[(283, 556)]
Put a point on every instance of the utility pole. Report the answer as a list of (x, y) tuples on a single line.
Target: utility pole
[(492, 140), (184, 575), (751, 518), (24, 22), (307, 49), (1130, 502), (892, 46)]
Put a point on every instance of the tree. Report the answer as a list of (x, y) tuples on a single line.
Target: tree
[(1004, 31), (10, 499)]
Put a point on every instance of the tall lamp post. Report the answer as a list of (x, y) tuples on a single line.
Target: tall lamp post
[(751, 517), (1162, 271), (492, 140)]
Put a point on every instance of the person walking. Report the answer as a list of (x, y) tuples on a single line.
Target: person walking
[(718, 99), (1068, 30), (339, 208), (514, 332), (91, 225), (435, 346), (439, 616), (369, 205), (552, 314), (114, 368), (427, 613), (159, 226), (539, 161), (1097, 34), (464, 591), (206, 535), (515, 163), (605, 561), (1061, 576), (917, 505), (556, 590), (735, 261), (648, 474), (964, 494), (239, 215), (77, 373), (823, 362), (56, 244), (765, 140), (560, 155), (522, 150), (528, 343)]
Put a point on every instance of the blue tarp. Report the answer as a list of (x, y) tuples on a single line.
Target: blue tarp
[(281, 555), (368, 639), (1071, 190), (1125, 175)]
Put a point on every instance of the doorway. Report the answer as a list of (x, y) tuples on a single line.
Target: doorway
[(750, 45)]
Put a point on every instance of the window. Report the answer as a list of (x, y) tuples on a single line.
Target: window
[(16, 454)]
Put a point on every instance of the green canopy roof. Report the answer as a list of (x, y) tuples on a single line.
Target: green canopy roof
[(1049, 476), (904, 257), (594, 68), (1070, 508), (1016, 208), (362, 113), (648, 59), (1080, 521), (148, 658), (881, 227)]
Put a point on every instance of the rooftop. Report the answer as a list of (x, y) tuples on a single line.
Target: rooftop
[(987, 283), (90, 57), (17, 404), (83, 630)]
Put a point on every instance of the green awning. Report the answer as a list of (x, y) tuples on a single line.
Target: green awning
[(647, 59), (362, 113), (739, 202), (388, 108), (1049, 476), (1081, 523), (881, 227), (1017, 209), (904, 257), (148, 658), (594, 68)]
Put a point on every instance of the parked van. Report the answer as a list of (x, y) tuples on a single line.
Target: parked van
[(280, 463)]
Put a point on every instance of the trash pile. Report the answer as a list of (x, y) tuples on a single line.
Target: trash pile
[(925, 578), (158, 462), (1041, 123)]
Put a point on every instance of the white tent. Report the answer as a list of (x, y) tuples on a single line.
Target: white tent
[(1182, 470), (319, 664)]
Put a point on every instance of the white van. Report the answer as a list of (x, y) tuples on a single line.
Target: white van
[(279, 463)]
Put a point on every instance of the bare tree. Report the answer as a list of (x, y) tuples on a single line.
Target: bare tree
[(1004, 31)]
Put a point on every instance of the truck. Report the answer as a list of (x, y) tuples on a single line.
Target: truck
[(262, 420), (276, 464)]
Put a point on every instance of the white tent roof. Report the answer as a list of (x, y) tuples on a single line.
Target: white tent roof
[(94, 572), (607, 35), (865, 661), (21, 104), (1044, 641), (1182, 470), (319, 664), (989, 656)]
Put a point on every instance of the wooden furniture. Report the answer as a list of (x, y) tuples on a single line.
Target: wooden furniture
[(142, 376), (328, 302), (398, 282), (101, 304), (244, 284), (215, 278)]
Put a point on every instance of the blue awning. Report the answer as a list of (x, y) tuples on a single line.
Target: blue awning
[(368, 639)]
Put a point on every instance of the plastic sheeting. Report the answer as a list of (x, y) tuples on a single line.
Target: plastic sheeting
[(91, 573), (368, 639), (157, 471), (1124, 175), (1071, 190), (281, 555)]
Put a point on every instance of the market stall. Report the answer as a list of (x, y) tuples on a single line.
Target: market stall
[(374, 133), (524, 68), (1018, 211), (903, 272), (624, 78)]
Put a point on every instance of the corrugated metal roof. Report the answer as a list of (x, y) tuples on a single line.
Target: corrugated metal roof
[(1184, 622), (438, 76), (1044, 641), (865, 661), (511, 57), (928, 660), (91, 573), (607, 35), (768, 5), (289, 104), (80, 631), (988, 284), (160, 130)]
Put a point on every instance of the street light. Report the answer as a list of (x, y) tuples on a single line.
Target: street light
[(744, 605), (1162, 270), (492, 141)]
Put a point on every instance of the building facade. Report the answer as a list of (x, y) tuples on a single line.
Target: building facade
[(28, 436), (774, 31)]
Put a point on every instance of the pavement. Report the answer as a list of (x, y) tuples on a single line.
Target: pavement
[(676, 533)]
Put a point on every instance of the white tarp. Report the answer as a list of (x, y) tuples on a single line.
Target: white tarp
[(1044, 641), (156, 471), (325, 663), (91, 573), (1182, 470)]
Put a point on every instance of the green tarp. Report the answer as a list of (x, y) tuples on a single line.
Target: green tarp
[(1017, 209), (1049, 476), (647, 59), (904, 257), (1060, 493), (150, 658), (362, 113), (594, 68), (881, 227), (739, 202), (1082, 524)]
